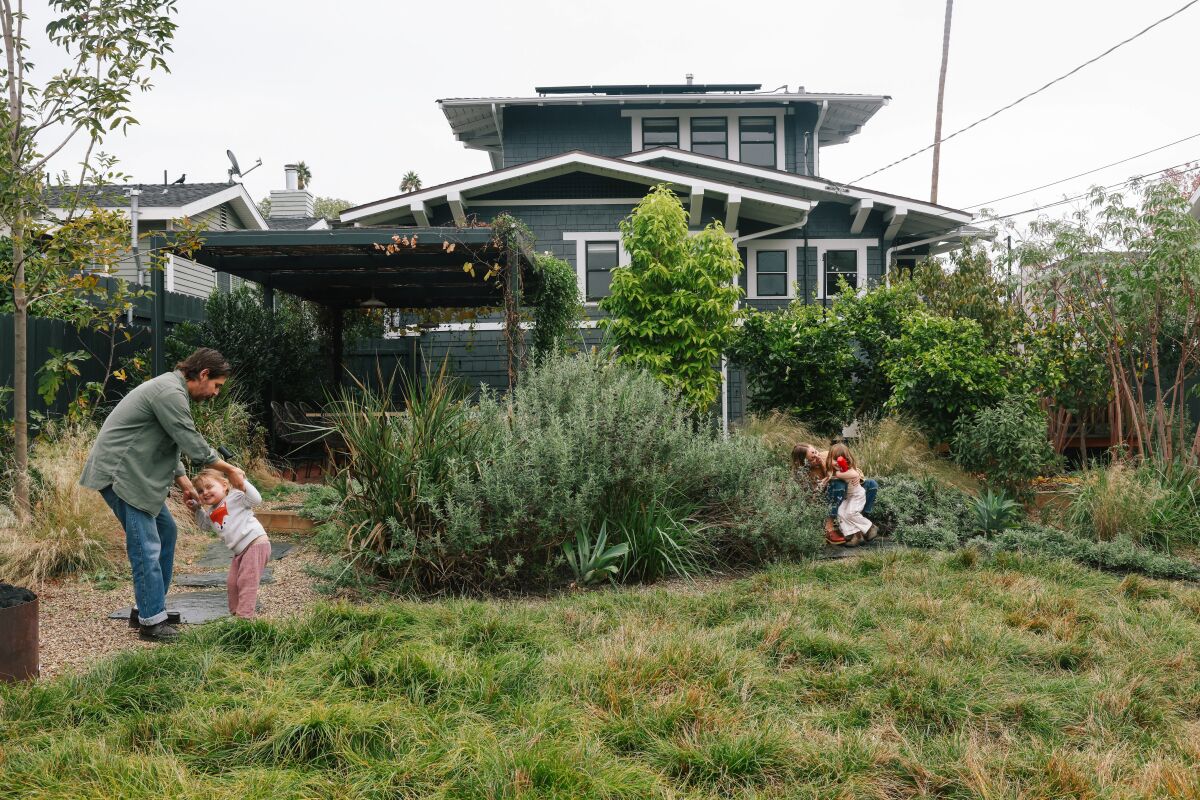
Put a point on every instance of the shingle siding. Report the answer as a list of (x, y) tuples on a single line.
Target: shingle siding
[(533, 132)]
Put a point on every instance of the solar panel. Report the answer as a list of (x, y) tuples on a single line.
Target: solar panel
[(650, 88)]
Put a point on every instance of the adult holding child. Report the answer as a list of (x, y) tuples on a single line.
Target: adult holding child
[(816, 462), (134, 461)]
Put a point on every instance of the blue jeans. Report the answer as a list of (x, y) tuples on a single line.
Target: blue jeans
[(837, 492), (150, 543)]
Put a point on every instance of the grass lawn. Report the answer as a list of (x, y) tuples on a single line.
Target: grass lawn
[(896, 675)]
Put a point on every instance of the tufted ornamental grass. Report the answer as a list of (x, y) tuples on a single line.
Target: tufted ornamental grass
[(903, 674)]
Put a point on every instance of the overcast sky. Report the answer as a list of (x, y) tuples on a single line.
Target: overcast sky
[(350, 86)]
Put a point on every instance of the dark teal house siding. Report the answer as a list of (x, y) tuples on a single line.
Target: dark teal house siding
[(533, 132)]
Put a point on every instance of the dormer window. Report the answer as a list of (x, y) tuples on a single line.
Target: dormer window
[(757, 141), (660, 132), (710, 136)]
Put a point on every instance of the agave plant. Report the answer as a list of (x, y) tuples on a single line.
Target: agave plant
[(995, 513), (592, 563)]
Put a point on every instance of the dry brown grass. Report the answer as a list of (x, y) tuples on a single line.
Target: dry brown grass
[(884, 447), (72, 529)]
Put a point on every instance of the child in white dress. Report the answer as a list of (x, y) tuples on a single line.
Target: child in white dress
[(855, 527)]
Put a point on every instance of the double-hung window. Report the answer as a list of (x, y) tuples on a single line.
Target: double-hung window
[(840, 264), (710, 136), (756, 142), (770, 273), (601, 259), (660, 132)]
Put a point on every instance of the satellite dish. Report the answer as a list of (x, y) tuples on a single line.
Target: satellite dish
[(236, 169)]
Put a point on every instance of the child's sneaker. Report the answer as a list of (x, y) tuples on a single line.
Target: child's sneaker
[(854, 541), (835, 538), (872, 532)]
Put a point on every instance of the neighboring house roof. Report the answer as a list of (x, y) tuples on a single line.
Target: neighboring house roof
[(477, 121), (767, 206), (297, 223), (159, 202)]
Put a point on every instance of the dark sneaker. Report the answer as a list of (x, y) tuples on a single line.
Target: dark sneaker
[(162, 632), (872, 532)]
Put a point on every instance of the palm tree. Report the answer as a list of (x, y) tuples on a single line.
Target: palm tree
[(303, 175), (411, 182)]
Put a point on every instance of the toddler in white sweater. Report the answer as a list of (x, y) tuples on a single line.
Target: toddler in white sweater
[(230, 514)]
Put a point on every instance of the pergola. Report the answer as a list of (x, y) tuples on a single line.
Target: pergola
[(340, 268)]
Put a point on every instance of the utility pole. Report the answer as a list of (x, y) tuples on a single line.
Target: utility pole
[(937, 125)]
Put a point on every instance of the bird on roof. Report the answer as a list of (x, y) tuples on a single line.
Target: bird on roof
[(180, 179)]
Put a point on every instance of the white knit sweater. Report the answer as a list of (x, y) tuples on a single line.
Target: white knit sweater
[(233, 518)]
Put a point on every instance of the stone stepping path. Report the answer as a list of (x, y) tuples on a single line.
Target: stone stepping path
[(832, 552), (196, 608)]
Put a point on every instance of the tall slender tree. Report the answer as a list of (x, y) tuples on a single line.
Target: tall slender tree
[(107, 50), (411, 182)]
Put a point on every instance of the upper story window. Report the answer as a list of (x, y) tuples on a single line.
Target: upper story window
[(710, 136), (660, 132), (601, 259), (757, 141), (840, 264)]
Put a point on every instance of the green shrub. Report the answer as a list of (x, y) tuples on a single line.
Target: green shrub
[(798, 361), (553, 299), (921, 512), (943, 369), (1119, 555), (1007, 443)]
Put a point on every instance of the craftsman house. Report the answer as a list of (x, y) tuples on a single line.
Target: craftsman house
[(572, 161)]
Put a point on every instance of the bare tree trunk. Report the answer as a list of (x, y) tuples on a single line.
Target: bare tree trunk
[(20, 373), (937, 124)]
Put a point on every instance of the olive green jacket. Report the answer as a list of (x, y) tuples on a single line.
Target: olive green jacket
[(137, 450)]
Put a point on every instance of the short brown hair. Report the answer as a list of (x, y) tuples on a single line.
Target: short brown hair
[(204, 358)]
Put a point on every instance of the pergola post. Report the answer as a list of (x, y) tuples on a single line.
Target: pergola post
[(268, 299), (512, 305), (337, 333)]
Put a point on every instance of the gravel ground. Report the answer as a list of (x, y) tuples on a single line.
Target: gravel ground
[(75, 631)]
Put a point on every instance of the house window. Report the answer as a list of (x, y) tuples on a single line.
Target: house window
[(770, 272), (601, 258), (660, 132), (710, 136), (840, 264), (756, 141)]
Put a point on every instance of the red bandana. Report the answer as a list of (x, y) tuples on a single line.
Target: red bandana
[(218, 514)]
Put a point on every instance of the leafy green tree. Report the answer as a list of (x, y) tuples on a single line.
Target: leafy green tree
[(671, 311), (872, 321), (108, 50), (969, 287), (942, 369), (1007, 442), (553, 300), (799, 360), (327, 207), (1125, 279)]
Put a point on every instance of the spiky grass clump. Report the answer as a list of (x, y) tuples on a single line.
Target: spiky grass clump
[(72, 530), (895, 675), (1151, 504)]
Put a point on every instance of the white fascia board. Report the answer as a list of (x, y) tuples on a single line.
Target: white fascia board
[(691, 99), (561, 164), (236, 195), (814, 184)]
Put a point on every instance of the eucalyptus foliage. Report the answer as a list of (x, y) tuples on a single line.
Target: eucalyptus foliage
[(671, 311)]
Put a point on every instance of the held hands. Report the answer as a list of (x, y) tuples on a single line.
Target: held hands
[(237, 478)]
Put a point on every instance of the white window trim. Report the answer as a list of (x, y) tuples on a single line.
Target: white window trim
[(733, 135), (169, 269), (581, 239), (789, 247), (824, 245)]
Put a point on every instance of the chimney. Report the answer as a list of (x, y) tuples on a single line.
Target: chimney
[(291, 202), (689, 79)]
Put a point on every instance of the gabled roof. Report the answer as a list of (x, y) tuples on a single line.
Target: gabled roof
[(478, 121), (925, 216), (764, 205), (159, 202)]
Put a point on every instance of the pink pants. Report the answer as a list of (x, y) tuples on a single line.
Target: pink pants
[(244, 574)]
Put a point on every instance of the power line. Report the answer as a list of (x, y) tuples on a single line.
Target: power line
[(1081, 174), (1111, 186), (1040, 89)]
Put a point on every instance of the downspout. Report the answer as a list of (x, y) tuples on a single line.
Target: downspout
[(816, 138)]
